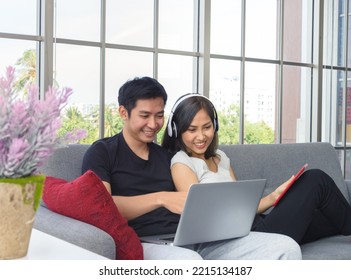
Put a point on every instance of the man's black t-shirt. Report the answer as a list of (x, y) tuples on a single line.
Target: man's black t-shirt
[(129, 175)]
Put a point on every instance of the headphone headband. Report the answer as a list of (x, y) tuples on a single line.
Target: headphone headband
[(171, 126)]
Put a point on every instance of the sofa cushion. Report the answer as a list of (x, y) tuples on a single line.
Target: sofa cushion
[(86, 199), (330, 248), (75, 232)]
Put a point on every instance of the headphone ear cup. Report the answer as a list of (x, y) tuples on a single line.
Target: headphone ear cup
[(170, 129), (216, 125), (174, 128)]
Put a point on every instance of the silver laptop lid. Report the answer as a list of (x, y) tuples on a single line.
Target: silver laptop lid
[(218, 211)]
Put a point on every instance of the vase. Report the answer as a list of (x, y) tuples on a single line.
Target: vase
[(19, 201)]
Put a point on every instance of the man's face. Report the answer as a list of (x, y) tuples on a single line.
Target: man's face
[(145, 120)]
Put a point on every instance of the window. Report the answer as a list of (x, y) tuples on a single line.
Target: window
[(336, 80), (272, 50), (260, 62)]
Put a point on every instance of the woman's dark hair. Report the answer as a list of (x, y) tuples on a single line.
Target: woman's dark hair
[(182, 117), (140, 88)]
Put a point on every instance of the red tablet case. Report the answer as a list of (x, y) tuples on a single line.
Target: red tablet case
[(297, 175)]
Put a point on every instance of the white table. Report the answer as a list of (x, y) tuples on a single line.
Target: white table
[(43, 246)]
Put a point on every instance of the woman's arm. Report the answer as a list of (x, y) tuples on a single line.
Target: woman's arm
[(183, 177), (231, 172)]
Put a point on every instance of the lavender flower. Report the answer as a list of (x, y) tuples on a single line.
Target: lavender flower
[(28, 126), (74, 136)]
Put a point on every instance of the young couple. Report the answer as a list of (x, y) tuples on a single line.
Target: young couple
[(149, 183)]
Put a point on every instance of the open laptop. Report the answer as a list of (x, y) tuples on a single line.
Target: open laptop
[(215, 211)]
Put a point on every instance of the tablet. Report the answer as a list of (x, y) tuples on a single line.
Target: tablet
[(297, 175)]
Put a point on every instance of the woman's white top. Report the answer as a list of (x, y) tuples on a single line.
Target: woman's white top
[(200, 167)]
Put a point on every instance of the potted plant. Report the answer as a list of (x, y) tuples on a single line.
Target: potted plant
[(28, 136)]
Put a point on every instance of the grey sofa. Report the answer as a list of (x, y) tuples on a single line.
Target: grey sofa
[(275, 162)]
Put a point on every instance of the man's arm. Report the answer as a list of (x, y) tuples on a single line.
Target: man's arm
[(132, 207)]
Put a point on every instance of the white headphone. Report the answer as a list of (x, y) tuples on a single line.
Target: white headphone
[(171, 126)]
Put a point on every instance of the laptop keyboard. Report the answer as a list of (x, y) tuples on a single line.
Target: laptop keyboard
[(168, 239)]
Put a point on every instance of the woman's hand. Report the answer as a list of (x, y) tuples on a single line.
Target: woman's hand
[(275, 194), (268, 200)]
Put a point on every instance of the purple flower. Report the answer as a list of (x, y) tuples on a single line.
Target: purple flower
[(74, 136), (28, 126)]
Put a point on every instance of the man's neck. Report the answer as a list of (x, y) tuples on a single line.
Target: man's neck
[(141, 149)]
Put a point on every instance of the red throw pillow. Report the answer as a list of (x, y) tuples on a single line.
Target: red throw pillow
[(86, 199)]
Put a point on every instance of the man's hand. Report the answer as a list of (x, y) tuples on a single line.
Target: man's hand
[(173, 201)]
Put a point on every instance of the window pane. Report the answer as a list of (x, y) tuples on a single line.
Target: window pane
[(332, 104), (176, 25), (340, 110), (135, 64), (259, 108), (130, 22), (334, 33), (18, 16), (333, 99), (13, 53), (69, 71), (298, 30), (175, 73), (73, 71), (78, 19), (295, 111), (261, 29), (226, 15), (225, 96)]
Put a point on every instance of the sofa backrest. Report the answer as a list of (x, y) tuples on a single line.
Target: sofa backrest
[(278, 162), (66, 162), (274, 162)]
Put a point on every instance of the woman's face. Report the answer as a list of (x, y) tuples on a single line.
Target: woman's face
[(199, 134)]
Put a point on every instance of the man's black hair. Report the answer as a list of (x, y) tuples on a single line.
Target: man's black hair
[(140, 88)]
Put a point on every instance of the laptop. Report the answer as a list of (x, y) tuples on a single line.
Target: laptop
[(215, 211)]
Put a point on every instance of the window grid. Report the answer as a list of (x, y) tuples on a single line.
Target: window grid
[(202, 56)]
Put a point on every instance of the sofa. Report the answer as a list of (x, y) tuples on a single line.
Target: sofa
[(274, 162)]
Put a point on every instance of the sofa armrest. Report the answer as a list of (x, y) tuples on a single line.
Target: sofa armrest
[(348, 187), (76, 232)]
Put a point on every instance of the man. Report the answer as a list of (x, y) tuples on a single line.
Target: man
[(136, 171)]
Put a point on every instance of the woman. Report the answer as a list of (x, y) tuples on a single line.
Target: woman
[(312, 209)]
